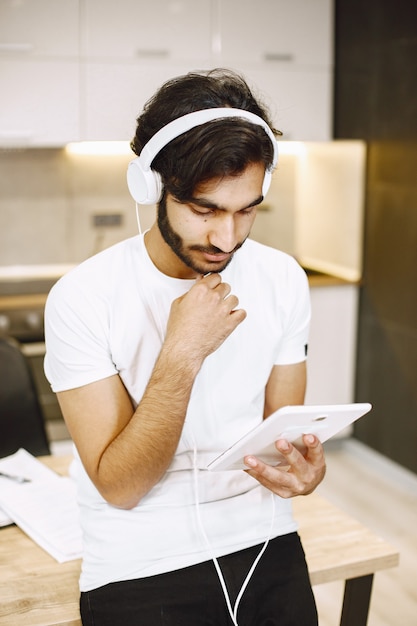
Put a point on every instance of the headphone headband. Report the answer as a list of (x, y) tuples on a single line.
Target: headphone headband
[(145, 184)]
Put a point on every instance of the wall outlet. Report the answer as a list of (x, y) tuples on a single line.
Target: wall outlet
[(107, 220)]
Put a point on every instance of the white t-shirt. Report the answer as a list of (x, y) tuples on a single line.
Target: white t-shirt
[(108, 316)]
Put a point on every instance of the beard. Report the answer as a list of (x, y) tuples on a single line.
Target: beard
[(176, 243)]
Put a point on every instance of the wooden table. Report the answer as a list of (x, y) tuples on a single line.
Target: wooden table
[(35, 590)]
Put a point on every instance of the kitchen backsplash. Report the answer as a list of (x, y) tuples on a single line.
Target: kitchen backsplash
[(47, 202), (49, 197)]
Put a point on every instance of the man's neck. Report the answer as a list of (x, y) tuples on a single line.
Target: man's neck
[(163, 257)]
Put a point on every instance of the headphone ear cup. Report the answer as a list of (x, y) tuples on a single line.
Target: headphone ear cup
[(267, 182), (145, 186)]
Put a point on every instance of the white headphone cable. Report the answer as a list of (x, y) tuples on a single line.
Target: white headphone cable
[(138, 218), (232, 611)]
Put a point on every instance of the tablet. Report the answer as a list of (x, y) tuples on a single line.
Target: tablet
[(291, 423)]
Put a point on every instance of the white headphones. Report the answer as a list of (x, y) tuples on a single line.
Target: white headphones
[(145, 184)]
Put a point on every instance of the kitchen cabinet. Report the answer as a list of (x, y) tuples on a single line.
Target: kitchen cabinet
[(284, 47), (279, 32), (39, 28), (141, 32), (114, 94), (300, 100), (39, 72), (129, 49), (41, 105), (83, 69), (332, 346)]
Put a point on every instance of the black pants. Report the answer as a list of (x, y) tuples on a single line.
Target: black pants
[(278, 594)]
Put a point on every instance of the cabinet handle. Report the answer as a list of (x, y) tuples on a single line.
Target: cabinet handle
[(15, 139), (145, 53), (285, 57), (16, 47)]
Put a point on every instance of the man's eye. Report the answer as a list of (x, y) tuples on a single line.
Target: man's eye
[(248, 211), (201, 210)]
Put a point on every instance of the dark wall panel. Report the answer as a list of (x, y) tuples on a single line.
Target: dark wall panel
[(376, 100), (387, 339), (375, 69), (388, 356)]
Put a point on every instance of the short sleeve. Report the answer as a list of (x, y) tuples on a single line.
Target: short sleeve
[(77, 350), (296, 307)]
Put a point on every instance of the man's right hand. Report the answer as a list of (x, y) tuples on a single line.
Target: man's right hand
[(203, 318)]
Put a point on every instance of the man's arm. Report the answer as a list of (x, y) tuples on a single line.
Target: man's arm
[(286, 386), (126, 452)]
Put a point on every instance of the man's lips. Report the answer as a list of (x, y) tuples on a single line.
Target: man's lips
[(216, 257)]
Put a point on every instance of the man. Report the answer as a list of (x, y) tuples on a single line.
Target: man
[(164, 350)]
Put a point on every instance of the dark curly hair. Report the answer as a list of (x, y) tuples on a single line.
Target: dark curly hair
[(218, 148)]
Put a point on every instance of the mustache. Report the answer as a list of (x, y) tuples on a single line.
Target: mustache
[(215, 250)]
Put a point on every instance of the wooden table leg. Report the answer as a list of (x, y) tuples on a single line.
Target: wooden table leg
[(356, 601)]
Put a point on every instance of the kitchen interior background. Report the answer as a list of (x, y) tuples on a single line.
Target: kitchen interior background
[(50, 200), (341, 78)]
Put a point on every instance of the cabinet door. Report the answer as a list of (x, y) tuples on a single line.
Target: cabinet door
[(300, 100), (39, 76), (332, 346), (39, 27), (279, 32), (39, 104), (284, 49), (114, 95), (161, 30)]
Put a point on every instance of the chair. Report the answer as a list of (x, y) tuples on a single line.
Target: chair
[(21, 419)]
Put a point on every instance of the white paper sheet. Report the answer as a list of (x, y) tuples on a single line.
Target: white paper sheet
[(45, 508), (5, 520)]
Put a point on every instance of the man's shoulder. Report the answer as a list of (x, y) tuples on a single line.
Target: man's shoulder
[(119, 252), (99, 273), (106, 260)]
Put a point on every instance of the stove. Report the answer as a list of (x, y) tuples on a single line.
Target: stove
[(23, 293), (22, 317)]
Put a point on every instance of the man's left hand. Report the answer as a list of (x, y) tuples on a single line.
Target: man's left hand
[(300, 476)]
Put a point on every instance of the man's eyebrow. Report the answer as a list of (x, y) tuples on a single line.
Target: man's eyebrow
[(209, 204)]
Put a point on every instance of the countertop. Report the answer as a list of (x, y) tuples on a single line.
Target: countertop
[(29, 282), (320, 279), (9, 273)]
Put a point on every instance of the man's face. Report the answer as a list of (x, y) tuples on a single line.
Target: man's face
[(204, 233)]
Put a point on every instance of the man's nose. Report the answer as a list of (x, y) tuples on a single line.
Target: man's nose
[(223, 234)]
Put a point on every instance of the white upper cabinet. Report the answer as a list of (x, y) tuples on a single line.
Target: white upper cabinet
[(113, 95), (299, 99), (39, 72), (40, 28), (83, 69), (40, 105), (166, 31), (279, 32), (129, 48), (285, 49)]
